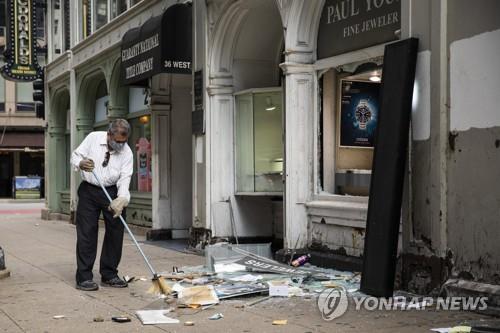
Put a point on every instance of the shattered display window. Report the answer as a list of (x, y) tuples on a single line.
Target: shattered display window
[(259, 141)]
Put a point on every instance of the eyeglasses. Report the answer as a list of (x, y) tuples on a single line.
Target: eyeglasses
[(106, 159)]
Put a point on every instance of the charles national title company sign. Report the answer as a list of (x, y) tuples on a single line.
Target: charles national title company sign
[(348, 25), (161, 45), (20, 54)]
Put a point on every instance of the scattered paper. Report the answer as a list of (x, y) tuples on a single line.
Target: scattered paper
[(59, 316), (177, 287), (154, 317), (216, 316), (441, 330), (280, 322), (278, 288)]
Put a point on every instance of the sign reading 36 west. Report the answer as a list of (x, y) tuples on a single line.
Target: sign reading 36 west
[(20, 55)]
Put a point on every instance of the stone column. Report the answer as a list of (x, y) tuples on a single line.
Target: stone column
[(57, 166), (299, 159), (219, 155)]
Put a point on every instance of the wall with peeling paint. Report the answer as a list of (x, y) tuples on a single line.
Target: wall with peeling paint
[(474, 145)]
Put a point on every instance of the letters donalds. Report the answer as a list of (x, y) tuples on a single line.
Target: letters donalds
[(20, 55)]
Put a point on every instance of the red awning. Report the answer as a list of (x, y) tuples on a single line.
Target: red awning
[(22, 140)]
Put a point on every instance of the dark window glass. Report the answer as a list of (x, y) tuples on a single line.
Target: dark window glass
[(67, 26), (101, 13)]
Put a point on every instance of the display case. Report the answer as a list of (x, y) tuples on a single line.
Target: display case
[(259, 141)]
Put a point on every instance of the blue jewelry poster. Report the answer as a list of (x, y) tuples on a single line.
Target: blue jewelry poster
[(359, 111)]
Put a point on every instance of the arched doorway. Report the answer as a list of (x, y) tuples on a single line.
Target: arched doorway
[(244, 81)]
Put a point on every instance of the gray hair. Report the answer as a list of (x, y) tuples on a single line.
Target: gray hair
[(119, 126)]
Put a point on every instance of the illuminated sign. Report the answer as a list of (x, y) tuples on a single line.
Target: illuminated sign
[(20, 54)]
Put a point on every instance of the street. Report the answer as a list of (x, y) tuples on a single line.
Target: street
[(40, 256)]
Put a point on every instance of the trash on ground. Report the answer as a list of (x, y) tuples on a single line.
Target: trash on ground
[(188, 323), (154, 317), (280, 322), (329, 284), (121, 319), (460, 329), (278, 288), (301, 260), (225, 291), (247, 278), (198, 295), (216, 316), (234, 272), (98, 319), (59, 317), (228, 268), (129, 279)]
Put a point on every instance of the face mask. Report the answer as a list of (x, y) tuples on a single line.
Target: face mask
[(116, 146)]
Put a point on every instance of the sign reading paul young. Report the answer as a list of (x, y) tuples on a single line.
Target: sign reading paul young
[(20, 55), (161, 45), (348, 25)]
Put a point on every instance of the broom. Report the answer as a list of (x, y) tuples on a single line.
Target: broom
[(159, 283)]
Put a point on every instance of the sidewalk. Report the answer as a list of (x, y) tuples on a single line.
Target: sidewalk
[(41, 258)]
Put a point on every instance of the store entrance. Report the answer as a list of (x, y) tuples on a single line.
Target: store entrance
[(6, 173)]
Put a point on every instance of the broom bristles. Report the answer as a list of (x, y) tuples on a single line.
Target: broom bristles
[(160, 286)]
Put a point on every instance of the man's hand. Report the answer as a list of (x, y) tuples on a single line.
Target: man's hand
[(117, 206), (87, 165)]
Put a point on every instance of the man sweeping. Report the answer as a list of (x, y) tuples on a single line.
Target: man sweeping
[(108, 154)]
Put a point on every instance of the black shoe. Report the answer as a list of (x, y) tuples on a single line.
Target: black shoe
[(115, 282), (88, 285)]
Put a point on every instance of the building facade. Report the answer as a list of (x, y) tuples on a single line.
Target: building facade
[(258, 143)]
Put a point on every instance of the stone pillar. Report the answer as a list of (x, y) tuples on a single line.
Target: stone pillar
[(55, 149), (219, 155), (299, 159)]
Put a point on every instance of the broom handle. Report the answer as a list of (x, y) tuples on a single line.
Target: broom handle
[(126, 227)]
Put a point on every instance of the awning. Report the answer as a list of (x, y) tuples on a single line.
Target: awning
[(22, 140), (161, 45)]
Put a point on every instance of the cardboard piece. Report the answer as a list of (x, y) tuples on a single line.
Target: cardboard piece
[(198, 295)]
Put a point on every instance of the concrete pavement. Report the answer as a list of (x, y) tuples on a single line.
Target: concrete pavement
[(41, 257)]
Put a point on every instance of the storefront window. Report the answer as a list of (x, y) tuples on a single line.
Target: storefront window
[(101, 103), (140, 143), (259, 145), (24, 94), (350, 115)]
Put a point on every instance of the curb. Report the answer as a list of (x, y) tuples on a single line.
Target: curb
[(5, 273)]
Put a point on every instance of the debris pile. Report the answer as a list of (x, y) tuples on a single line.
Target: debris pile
[(232, 272)]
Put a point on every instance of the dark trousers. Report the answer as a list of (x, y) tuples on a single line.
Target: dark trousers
[(91, 202)]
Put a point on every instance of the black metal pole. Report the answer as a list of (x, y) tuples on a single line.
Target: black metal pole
[(388, 170)]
